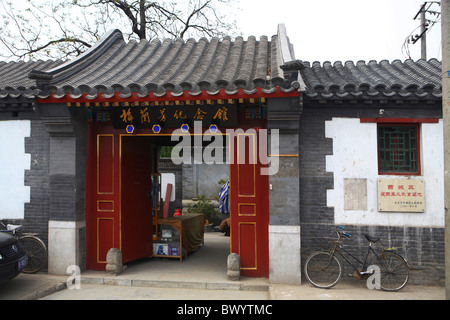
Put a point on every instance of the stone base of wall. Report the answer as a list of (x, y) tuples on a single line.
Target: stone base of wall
[(65, 246), (284, 255)]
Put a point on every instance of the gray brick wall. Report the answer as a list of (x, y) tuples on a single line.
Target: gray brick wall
[(203, 179), (283, 198), (422, 247), (36, 213), (37, 178), (56, 187)]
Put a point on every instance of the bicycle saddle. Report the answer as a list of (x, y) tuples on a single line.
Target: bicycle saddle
[(371, 239), (13, 227)]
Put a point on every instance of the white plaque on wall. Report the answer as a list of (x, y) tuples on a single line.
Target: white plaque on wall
[(396, 195)]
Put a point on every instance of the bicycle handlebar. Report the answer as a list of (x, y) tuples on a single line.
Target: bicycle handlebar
[(346, 234)]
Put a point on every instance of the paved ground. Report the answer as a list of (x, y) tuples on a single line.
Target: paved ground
[(31, 286), (46, 287), (354, 290), (104, 292), (275, 292), (200, 277)]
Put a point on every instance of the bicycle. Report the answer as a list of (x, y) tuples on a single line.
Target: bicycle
[(324, 268), (33, 246)]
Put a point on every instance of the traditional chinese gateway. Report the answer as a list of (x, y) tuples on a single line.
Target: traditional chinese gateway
[(359, 145), (126, 99)]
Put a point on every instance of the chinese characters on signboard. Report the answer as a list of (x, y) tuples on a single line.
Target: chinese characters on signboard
[(173, 116), (401, 195)]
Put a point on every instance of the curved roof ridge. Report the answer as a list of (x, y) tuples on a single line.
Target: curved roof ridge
[(111, 55), (100, 47), (132, 48)]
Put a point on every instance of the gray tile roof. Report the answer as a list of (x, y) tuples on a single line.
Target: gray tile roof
[(168, 67), (175, 67), (14, 81), (373, 80)]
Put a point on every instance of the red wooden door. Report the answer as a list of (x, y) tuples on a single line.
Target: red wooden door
[(118, 211), (102, 196), (249, 206), (136, 171)]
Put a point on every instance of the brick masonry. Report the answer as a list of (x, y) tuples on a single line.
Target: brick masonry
[(423, 248), (37, 211), (203, 179), (283, 204), (56, 177)]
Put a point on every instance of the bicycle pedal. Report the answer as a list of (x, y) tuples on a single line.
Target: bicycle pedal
[(367, 273), (356, 275)]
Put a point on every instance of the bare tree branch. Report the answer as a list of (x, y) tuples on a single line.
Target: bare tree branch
[(59, 29), (65, 40)]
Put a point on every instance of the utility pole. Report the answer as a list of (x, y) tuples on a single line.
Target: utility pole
[(425, 25), (423, 31), (445, 5)]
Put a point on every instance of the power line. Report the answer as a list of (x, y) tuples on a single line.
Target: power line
[(425, 26)]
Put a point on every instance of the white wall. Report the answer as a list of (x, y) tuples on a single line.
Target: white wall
[(355, 156), (13, 163)]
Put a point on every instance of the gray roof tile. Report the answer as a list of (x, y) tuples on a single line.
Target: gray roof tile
[(173, 66), (383, 80), (14, 79), (177, 66)]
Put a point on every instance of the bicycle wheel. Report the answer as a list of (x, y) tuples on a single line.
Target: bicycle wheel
[(323, 270), (36, 252), (394, 271)]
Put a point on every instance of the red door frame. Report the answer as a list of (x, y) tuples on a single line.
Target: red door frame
[(248, 194)]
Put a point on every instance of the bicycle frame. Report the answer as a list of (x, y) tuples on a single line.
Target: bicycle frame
[(363, 264), (338, 247), (324, 268)]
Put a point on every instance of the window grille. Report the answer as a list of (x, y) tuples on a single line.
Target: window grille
[(398, 149)]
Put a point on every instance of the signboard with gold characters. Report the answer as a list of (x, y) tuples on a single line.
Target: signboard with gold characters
[(173, 115)]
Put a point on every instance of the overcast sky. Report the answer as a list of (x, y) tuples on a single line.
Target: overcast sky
[(331, 30)]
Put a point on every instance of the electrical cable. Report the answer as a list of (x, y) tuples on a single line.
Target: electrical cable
[(405, 47)]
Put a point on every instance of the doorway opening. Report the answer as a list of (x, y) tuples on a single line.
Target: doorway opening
[(122, 195), (120, 205)]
